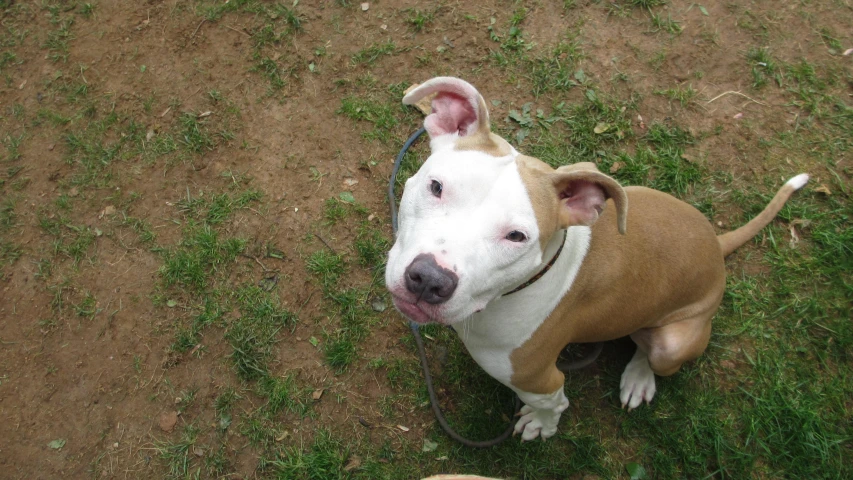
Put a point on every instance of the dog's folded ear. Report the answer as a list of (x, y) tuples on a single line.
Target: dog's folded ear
[(457, 107), (582, 191)]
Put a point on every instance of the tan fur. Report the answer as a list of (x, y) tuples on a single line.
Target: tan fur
[(621, 289), (534, 175), (543, 182), (486, 142), (732, 240)]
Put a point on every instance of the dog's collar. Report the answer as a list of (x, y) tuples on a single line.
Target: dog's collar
[(543, 271)]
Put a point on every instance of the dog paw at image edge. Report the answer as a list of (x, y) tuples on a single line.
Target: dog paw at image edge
[(536, 423)]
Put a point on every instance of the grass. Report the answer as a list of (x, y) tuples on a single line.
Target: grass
[(763, 67), (371, 247), (178, 455), (668, 25), (557, 70), (253, 334), (372, 53), (420, 19), (682, 95), (324, 459), (382, 115), (57, 41), (200, 252), (68, 240)]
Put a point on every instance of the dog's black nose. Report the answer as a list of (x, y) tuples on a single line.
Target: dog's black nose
[(430, 282)]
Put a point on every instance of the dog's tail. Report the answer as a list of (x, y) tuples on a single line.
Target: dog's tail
[(730, 241)]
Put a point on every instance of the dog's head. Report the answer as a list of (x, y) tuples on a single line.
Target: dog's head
[(475, 220)]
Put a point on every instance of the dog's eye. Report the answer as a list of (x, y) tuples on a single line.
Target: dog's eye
[(436, 188), (516, 236)]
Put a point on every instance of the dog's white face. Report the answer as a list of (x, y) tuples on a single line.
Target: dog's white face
[(474, 219), (467, 234)]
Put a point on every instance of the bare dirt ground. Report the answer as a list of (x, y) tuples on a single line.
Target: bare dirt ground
[(88, 321)]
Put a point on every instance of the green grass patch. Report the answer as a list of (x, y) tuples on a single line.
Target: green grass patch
[(178, 455), (213, 209), (418, 19), (325, 459), (200, 252), (665, 24), (584, 131), (57, 41), (381, 115), (682, 95), (763, 67), (371, 247), (372, 53), (253, 334), (556, 70), (69, 240)]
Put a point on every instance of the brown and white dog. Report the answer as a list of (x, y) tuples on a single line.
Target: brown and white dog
[(479, 220)]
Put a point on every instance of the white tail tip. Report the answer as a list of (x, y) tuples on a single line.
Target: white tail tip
[(799, 181)]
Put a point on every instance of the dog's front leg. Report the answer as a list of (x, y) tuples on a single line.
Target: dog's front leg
[(540, 413)]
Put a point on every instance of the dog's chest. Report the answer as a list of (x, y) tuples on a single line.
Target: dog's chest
[(492, 335)]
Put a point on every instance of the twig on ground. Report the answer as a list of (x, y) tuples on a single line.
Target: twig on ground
[(737, 93), (326, 243), (196, 28)]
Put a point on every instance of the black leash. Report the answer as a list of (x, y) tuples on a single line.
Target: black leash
[(563, 366)]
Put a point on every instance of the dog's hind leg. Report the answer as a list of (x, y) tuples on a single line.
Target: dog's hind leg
[(661, 351)]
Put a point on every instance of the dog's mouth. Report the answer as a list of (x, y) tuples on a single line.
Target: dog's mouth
[(418, 312)]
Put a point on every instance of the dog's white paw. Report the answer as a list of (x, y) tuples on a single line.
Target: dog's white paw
[(638, 382), (536, 422)]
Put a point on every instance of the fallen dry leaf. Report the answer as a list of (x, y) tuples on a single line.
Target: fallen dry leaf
[(616, 167), (802, 222), (168, 421), (795, 238), (317, 394), (353, 463), (405, 429), (823, 189), (109, 210)]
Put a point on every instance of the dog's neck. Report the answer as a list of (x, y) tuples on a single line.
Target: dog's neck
[(560, 241)]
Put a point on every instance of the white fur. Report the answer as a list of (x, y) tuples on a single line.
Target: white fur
[(507, 322), (540, 414), (799, 181), (483, 199), (638, 381)]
